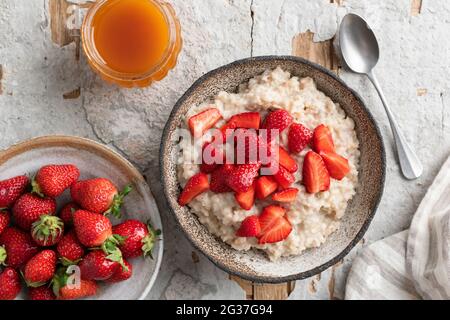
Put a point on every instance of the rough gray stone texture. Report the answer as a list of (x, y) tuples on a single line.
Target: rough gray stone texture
[(36, 74)]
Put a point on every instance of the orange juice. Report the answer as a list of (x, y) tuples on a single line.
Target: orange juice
[(131, 41)]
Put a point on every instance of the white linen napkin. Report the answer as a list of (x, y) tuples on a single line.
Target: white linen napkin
[(413, 264)]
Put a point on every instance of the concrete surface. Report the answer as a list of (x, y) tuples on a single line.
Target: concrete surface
[(413, 70)]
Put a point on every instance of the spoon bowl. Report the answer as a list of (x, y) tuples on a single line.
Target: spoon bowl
[(358, 44)]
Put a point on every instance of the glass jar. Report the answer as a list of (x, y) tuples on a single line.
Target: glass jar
[(156, 71)]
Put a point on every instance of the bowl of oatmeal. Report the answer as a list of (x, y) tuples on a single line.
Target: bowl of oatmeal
[(300, 202)]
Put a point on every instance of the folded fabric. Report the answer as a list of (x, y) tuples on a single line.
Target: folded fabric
[(412, 264)]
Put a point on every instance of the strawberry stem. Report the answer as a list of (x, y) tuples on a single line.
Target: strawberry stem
[(47, 227), (36, 189), (3, 255), (59, 280), (66, 262), (118, 201), (110, 248), (149, 240)]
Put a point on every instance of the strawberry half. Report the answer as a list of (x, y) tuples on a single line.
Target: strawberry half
[(274, 226), (286, 160), (298, 137), (203, 121), (210, 153), (279, 231), (269, 216), (218, 179), (196, 185), (279, 119), (265, 185), (241, 178), (284, 177), (315, 174), (246, 199), (250, 120), (322, 139), (337, 166), (250, 227), (286, 195)]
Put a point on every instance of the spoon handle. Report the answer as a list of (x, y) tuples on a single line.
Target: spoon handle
[(409, 162)]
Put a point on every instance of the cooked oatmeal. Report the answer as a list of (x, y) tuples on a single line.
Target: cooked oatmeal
[(313, 216)]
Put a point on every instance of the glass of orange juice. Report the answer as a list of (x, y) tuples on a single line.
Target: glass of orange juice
[(131, 42)]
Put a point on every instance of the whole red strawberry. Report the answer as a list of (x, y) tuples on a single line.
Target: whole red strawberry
[(66, 213), (30, 207), (66, 289), (96, 266), (40, 269), (52, 180), (69, 249), (218, 179), (17, 246), (4, 220), (99, 195), (139, 238), (47, 231), (11, 190), (41, 293), (122, 274), (9, 284), (92, 229), (86, 288)]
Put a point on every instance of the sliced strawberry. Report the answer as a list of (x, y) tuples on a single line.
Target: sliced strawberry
[(278, 232), (196, 185), (315, 174), (337, 166), (286, 160), (246, 199), (286, 195), (219, 176), (322, 139), (210, 153), (298, 137), (269, 216), (284, 177), (250, 227), (242, 176), (278, 119), (224, 128), (265, 185), (203, 121), (250, 120), (247, 144)]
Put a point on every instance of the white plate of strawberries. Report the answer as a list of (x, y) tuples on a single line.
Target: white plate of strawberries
[(76, 221)]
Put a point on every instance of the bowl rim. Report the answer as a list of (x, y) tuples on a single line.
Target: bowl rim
[(102, 150), (367, 222)]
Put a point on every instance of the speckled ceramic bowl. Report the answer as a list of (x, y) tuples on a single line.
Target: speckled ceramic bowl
[(254, 265), (94, 160)]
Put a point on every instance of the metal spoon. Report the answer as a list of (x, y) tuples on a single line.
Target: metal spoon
[(360, 52)]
